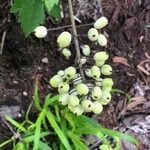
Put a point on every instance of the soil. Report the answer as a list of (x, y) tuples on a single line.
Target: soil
[(129, 49)]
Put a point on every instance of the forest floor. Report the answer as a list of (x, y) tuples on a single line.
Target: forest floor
[(22, 61)]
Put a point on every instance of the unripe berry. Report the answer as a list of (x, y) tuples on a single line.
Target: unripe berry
[(78, 110), (101, 56), (93, 34), (55, 81), (73, 101), (101, 22), (107, 82), (83, 60), (106, 70), (87, 105), (70, 73), (85, 50), (64, 39), (63, 87), (97, 107), (95, 72), (105, 98), (40, 32), (98, 82), (100, 63), (61, 73), (63, 99), (107, 88), (88, 72), (102, 40), (104, 147), (96, 93), (82, 89), (66, 52)]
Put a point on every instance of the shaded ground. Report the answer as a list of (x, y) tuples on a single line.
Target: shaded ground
[(129, 49)]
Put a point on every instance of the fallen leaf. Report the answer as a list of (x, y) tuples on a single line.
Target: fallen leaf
[(143, 70), (120, 60)]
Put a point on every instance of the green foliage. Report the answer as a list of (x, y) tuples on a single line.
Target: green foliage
[(31, 13), (57, 128)]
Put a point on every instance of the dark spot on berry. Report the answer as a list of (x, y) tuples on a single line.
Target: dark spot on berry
[(68, 75), (61, 87), (89, 105), (107, 97), (95, 97), (94, 76), (93, 35)]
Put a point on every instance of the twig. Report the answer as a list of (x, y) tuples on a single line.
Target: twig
[(78, 55), (2, 43), (100, 7), (16, 135), (68, 26)]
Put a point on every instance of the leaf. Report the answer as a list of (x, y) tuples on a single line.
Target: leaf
[(31, 14), (49, 4), (44, 146), (15, 123), (31, 138), (38, 129), (36, 97), (58, 131), (79, 145), (56, 12)]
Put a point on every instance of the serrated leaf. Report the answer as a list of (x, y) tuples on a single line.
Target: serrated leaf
[(31, 14), (56, 12), (49, 4)]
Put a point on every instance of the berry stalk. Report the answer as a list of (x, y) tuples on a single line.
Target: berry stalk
[(78, 55)]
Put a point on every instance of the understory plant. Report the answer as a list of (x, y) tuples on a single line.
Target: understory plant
[(56, 128)]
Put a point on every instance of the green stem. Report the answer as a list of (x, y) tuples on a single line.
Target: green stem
[(6, 142)]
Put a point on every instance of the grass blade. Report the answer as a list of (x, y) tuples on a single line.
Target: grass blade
[(15, 123), (38, 129), (58, 131)]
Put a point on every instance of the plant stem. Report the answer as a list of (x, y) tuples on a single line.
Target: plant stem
[(78, 55), (6, 142)]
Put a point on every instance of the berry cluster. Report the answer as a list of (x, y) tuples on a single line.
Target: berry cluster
[(80, 95), (85, 96)]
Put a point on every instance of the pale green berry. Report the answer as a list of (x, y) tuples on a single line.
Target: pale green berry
[(61, 73), (64, 39), (100, 63), (66, 52), (73, 100), (88, 72), (93, 34), (101, 22), (87, 105), (70, 73), (55, 81), (78, 110), (63, 99), (83, 60), (85, 50), (63, 87), (70, 107), (96, 93), (98, 82), (102, 40), (105, 98), (107, 82), (106, 70), (82, 89), (104, 147), (95, 72), (40, 32), (97, 107), (107, 88), (101, 56)]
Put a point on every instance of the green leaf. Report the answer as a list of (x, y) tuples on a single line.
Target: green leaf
[(36, 97), (15, 123), (79, 145), (38, 129), (31, 14), (31, 138), (58, 131), (49, 4), (56, 12), (44, 146)]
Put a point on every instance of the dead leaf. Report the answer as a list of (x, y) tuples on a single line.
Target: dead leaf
[(143, 70), (120, 60)]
